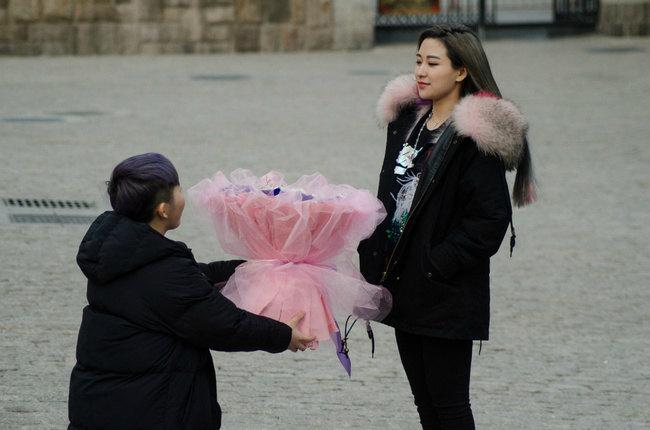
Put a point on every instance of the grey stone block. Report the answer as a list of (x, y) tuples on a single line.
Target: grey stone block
[(248, 11), (217, 32), (171, 32), (294, 38), (192, 24), (151, 48), (24, 48), (298, 11), (129, 38), (56, 10), (24, 10), (213, 47), (277, 11), (319, 39), (173, 14), (43, 32), (354, 24), (219, 14), (177, 3), (149, 10), (281, 38), (96, 11), (18, 32), (247, 38), (319, 13), (54, 48), (271, 38), (173, 48), (149, 32), (99, 38)]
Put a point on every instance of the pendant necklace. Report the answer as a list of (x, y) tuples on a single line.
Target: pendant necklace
[(408, 152)]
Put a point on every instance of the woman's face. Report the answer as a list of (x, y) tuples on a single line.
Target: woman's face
[(175, 208), (434, 72)]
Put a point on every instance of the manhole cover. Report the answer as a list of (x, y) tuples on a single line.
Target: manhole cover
[(220, 77), (614, 49), (47, 211), (369, 72), (79, 113), (33, 119)]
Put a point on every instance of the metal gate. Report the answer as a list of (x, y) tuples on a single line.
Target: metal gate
[(493, 13)]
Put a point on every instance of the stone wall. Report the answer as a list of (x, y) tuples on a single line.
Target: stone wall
[(624, 17), (90, 27)]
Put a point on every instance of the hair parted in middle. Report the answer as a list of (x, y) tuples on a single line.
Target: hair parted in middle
[(464, 49)]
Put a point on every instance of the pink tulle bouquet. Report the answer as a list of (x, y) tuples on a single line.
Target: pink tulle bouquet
[(299, 240)]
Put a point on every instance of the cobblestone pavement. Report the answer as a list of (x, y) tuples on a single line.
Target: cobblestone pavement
[(571, 310)]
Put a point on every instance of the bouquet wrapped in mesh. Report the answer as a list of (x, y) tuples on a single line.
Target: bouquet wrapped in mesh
[(299, 240)]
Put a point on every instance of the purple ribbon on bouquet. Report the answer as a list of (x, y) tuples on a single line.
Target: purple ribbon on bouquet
[(342, 350)]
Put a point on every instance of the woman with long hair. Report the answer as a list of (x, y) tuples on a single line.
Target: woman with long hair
[(451, 139)]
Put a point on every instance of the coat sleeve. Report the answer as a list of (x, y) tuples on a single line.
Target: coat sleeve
[(485, 216), (220, 271), (190, 308)]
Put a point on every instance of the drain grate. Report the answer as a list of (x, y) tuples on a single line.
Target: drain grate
[(32, 119), (47, 211), (79, 113), (614, 49), (47, 203), (50, 219)]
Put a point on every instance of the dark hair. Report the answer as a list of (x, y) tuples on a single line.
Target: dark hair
[(139, 183), (464, 49)]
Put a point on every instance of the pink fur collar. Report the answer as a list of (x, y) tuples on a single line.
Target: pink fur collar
[(496, 125)]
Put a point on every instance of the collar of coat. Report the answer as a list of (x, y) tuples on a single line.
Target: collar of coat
[(496, 125)]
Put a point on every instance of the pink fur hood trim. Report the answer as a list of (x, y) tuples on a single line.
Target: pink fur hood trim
[(496, 125)]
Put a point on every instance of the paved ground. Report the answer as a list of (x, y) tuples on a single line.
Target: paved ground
[(571, 309)]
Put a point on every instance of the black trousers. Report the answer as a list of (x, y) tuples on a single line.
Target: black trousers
[(438, 371)]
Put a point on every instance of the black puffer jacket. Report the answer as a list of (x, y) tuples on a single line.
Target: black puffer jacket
[(143, 359), (439, 270)]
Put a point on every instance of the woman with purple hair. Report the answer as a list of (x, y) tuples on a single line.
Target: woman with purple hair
[(153, 313)]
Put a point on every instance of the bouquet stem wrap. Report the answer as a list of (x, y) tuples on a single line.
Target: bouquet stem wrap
[(299, 240)]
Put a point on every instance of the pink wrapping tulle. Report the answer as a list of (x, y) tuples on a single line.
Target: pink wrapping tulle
[(298, 243)]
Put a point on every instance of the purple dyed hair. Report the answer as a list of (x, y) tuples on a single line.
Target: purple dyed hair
[(139, 183)]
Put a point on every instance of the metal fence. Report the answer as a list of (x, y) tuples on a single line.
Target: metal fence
[(420, 13)]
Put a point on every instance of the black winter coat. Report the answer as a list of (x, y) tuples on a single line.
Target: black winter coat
[(143, 359), (439, 270)]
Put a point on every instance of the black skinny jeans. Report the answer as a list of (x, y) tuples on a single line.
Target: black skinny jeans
[(438, 371)]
